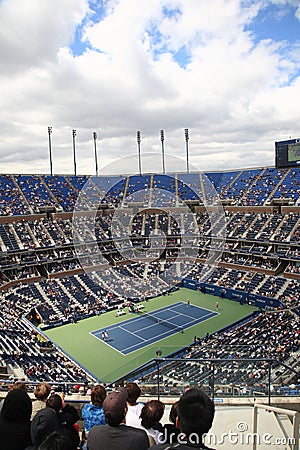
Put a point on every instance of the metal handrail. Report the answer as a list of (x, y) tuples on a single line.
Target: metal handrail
[(293, 441)]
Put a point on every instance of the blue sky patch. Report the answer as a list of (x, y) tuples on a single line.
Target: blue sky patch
[(157, 41), (97, 13), (276, 23), (171, 12), (182, 57), (78, 46)]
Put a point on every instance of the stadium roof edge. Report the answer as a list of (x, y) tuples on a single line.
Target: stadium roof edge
[(137, 174)]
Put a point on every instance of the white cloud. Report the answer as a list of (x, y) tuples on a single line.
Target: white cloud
[(32, 31), (236, 94)]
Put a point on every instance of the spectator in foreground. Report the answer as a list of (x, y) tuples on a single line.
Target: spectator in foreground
[(195, 417), (56, 416), (115, 435), (16, 385), (41, 393), (170, 431), (151, 415), (45, 421), (15, 420), (57, 441), (93, 413), (134, 408)]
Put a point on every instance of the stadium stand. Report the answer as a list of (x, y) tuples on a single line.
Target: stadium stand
[(41, 277), (253, 339)]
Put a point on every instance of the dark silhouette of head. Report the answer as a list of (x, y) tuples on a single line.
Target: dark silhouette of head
[(98, 395), (152, 413), (17, 406), (54, 402), (195, 413), (134, 392)]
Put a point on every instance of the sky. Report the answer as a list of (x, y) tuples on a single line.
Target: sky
[(228, 70)]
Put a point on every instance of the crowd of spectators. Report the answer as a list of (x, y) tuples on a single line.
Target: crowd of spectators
[(26, 194), (63, 259), (273, 335), (56, 424), (26, 350), (140, 426)]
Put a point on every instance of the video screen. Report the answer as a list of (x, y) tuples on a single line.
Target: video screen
[(287, 153), (293, 152)]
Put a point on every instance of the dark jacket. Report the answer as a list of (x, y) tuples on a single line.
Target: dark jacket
[(178, 443), (180, 447), (170, 433), (122, 437), (15, 420), (44, 422)]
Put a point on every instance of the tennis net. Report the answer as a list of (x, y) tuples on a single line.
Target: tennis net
[(163, 322)]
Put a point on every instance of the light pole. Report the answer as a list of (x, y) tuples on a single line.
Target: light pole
[(162, 138), (186, 134), (74, 151), (95, 148), (50, 149), (138, 139)]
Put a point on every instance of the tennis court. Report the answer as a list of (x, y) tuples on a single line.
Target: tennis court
[(108, 364), (145, 328)]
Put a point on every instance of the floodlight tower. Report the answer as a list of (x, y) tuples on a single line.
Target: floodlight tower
[(74, 150), (50, 149), (162, 138), (186, 134), (95, 149), (138, 139)]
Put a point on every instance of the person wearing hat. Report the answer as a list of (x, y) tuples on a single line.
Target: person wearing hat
[(116, 435)]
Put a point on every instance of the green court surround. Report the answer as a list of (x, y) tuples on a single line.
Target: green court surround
[(108, 365)]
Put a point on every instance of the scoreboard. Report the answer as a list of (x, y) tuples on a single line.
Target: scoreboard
[(287, 153)]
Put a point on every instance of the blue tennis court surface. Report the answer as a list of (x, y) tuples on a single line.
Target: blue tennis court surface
[(142, 330)]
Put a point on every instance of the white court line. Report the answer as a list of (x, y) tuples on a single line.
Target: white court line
[(193, 318), (134, 333), (191, 306), (191, 322), (106, 343), (178, 314), (154, 336), (98, 336), (202, 319), (159, 336)]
